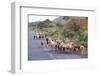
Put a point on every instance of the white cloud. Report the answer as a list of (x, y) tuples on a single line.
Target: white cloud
[(33, 18)]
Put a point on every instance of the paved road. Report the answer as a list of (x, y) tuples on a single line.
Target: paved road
[(38, 52)]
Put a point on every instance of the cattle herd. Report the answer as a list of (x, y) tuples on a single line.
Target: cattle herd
[(61, 46)]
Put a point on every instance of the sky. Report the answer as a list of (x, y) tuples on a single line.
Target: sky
[(33, 18)]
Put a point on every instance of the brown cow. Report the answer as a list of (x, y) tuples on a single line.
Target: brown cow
[(51, 44)]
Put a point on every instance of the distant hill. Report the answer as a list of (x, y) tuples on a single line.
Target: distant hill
[(62, 20)]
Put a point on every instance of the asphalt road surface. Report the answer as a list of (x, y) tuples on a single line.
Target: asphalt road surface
[(38, 52)]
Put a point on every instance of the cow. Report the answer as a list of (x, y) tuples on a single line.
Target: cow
[(51, 44)]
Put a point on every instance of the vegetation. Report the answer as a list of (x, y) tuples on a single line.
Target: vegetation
[(74, 30)]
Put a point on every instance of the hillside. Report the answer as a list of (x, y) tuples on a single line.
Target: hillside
[(66, 28), (72, 23)]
